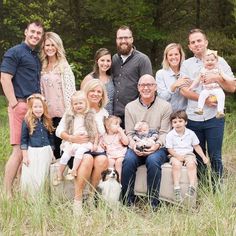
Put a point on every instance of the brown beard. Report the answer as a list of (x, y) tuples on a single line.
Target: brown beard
[(124, 51)]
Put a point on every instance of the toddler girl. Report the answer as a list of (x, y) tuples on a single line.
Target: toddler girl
[(36, 145), (77, 120), (210, 89), (114, 142)]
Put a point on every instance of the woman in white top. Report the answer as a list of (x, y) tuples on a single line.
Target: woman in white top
[(168, 78), (57, 80), (93, 163)]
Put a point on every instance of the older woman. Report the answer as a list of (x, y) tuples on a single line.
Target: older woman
[(93, 163), (168, 78), (102, 71), (57, 80)]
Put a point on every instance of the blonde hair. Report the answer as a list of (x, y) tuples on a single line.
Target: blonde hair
[(79, 95), (31, 119), (92, 84), (138, 126), (60, 54), (89, 117), (169, 47), (108, 120)]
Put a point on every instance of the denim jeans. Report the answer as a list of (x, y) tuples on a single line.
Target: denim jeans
[(210, 133), (129, 167)]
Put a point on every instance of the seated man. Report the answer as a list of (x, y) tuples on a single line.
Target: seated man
[(156, 112)]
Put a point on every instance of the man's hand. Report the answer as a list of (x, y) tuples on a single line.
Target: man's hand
[(152, 149), (210, 102), (138, 153)]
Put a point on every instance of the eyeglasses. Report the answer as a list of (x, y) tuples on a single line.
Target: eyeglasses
[(125, 38), (146, 85), (37, 95)]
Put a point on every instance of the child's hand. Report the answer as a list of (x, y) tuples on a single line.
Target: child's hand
[(119, 129), (54, 160), (26, 161), (94, 148)]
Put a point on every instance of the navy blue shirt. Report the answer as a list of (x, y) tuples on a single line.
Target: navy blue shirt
[(40, 137), (24, 65)]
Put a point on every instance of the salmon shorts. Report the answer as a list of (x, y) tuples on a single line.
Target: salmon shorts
[(16, 116)]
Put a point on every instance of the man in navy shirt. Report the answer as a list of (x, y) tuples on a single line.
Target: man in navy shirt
[(20, 77)]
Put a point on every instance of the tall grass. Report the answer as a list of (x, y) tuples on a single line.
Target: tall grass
[(215, 214)]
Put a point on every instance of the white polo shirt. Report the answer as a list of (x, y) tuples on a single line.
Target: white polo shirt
[(182, 144)]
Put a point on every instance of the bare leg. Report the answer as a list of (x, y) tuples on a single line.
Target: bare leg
[(192, 172), (176, 171), (100, 164), (111, 163), (76, 165), (83, 176), (61, 170), (11, 169), (118, 166)]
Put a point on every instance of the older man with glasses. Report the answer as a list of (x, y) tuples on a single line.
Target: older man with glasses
[(156, 112), (128, 65)]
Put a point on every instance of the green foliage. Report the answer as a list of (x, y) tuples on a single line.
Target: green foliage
[(87, 25)]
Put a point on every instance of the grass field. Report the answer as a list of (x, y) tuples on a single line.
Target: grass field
[(215, 214)]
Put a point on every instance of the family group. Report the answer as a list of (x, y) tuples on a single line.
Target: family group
[(121, 117)]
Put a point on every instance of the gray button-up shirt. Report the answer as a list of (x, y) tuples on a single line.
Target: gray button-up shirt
[(126, 76)]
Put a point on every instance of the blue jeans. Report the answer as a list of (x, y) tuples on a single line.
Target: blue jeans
[(129, 167), (210, 133)]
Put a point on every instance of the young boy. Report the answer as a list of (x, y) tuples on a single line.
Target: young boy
[(180, 143)]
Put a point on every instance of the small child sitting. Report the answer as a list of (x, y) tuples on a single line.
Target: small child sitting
[(180, 143), (77, 120), (210, 89), (144, 137), (114, 142)]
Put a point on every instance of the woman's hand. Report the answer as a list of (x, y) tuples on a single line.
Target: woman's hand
[(181, 82), (78, 138)]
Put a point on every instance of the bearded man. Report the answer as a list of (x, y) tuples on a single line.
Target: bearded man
[(128, 65)]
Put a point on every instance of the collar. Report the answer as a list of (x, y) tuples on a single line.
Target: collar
[(148, 105), (128, 56), (33, 51), (172, 73), (197, 60), (186, 132)]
